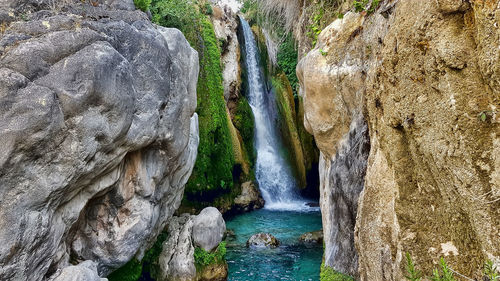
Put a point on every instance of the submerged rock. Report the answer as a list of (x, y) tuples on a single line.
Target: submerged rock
[(265, 240), (315, 237), (249, 199), (208, 229)]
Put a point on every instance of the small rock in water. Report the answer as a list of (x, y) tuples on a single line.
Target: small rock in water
[(315, 237), (263, 240)]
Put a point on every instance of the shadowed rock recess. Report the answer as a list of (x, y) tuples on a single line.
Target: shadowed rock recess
[(98, 135), (423, 78)]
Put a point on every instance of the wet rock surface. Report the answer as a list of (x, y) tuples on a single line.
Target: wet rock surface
[(249, 199), (263, 240), (315, 237)]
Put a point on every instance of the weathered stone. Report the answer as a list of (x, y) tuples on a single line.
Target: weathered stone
[(315, 237), (213, 272), (265, 240), (177, 257), (99, 136), (425, 77), (85, 271), (249, 199), (208, 229)]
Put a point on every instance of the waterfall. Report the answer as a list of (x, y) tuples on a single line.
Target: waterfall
[(273, 174)]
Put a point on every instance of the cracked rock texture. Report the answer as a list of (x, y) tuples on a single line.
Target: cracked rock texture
[(98, 135), (425, 76), (177, 262)]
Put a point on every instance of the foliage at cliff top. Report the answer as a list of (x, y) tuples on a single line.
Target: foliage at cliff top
[(214, 164)]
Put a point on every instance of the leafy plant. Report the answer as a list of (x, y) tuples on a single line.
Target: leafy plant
[(491, 271), (360, 5), (143, 5), (203, 258), (323, 53), (413, 273), (315, 27), (445, 275), (287, 60)]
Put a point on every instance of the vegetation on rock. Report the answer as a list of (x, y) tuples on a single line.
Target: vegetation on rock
[(445, 273), (329, 274), (203, 258)]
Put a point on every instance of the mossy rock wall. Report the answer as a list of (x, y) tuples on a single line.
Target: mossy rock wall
[(287, 126), (302, 152)]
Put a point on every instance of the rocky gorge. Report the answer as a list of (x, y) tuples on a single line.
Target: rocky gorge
[(141, 136)]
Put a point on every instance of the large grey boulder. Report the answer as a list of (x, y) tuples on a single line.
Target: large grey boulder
[(208, 229), (98, 136), (85, 271)]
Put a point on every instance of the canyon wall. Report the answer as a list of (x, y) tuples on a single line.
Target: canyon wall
[(98, 135), (425, 77)]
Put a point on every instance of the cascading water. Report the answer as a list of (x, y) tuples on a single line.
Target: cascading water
[(274, 176)]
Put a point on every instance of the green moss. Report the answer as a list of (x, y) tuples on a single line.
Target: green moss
[(244, 121), (329, 274), (203, 258), (214, 164), (131, 271)]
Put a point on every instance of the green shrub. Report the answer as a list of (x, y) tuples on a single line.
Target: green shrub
[(444, 275), (143, 5), (491, 271), (329, 274), (413, 273), (207, 9), (203, 258), (315, 27), (287, 61), (131, 271)]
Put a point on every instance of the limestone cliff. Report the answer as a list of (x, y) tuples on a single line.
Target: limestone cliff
[(425, 77), (98, 135)]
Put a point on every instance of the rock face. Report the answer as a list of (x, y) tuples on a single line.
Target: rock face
[(425, 75), (208, 229), (315, 237), (249, 199), (99, 136), (85, 271), (177, 257), (263, 240), (186, 232)]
